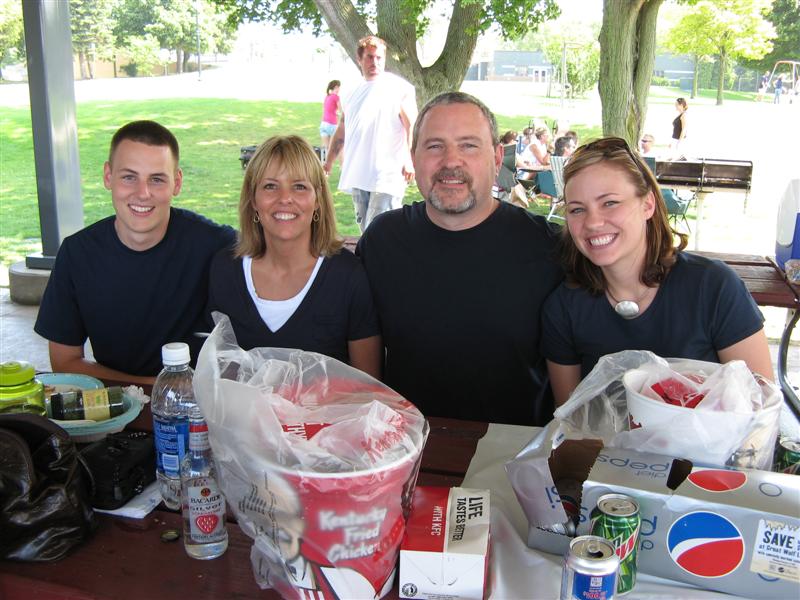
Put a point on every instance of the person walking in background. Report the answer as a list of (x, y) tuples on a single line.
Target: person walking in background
[(778, 89), (375, 130), (762, 86), (679, 130), (330, 116)]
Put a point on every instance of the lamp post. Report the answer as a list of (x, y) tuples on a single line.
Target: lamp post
[(197, 32)]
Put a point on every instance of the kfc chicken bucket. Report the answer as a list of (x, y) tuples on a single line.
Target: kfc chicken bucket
[(318, 461)]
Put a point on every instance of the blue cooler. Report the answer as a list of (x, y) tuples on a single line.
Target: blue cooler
[(787, 238)]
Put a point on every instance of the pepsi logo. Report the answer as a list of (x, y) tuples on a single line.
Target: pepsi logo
[(717, 480), (705, 544)]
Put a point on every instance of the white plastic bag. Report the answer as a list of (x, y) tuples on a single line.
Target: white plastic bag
[(735, 423), (317, 459)]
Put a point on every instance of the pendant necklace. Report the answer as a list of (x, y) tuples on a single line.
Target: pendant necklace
[(627, 309)]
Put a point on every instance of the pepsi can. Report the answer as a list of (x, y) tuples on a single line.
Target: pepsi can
[(590, 570)]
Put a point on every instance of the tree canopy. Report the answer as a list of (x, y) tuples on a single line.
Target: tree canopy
[(785, 18), (728, 29), (174, 24), (11, 32), (401, 23)]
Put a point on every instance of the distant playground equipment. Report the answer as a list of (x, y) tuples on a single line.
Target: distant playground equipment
[(792, 70)]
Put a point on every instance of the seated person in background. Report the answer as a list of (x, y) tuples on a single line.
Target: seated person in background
[(289, 283), (629, 287), (563, 149), (136, 280), (524, 140), (535, 157), (509, 137), (646, 145), (574, 135)]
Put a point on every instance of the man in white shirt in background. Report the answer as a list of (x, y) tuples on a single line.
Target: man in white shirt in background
[(376, 123)]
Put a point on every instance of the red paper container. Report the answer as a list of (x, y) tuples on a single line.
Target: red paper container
[(339, 533), (351, 528)]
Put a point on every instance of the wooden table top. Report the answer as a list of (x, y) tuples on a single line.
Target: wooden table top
[(126, 559)]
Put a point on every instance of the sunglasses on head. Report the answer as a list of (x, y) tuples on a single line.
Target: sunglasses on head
[(608, 147)]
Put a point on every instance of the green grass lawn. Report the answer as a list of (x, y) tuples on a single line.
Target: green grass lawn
[(210, 132)]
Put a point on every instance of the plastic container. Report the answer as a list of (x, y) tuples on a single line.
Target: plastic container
[(20, 391), (787, 236), (172, 400), (697, 434)]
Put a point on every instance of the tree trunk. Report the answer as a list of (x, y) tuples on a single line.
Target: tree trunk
[(627, 55), (695, 75), (399, 30), (82, 63), (178, 61), (721, 83)]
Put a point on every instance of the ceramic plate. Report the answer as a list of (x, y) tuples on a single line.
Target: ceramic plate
[(67, 382)]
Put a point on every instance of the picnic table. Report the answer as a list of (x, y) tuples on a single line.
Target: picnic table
[(126, 559)]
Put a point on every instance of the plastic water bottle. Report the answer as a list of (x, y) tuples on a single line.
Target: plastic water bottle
[(172, 399), (204, 532)]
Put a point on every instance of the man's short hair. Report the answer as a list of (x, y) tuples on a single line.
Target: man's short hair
[(145, 132), (371, 41), (648, 138), (456, 98)]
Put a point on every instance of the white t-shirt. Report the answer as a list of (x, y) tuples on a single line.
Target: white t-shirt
[(375, 146), (275, 313)]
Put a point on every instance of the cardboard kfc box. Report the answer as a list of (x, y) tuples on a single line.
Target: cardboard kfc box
[(445, 552)]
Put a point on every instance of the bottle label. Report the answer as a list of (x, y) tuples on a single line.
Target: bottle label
[(206, 506), (172, 441), (96, 405), (198, 436)]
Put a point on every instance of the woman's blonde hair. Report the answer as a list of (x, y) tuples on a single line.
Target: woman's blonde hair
[(296, 156), (660, 236)]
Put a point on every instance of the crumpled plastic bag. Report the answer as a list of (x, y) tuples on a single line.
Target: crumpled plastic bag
[(743, 437), (734, 424), (318, 461)]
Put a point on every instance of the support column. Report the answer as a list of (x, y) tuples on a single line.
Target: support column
[(48, 41)]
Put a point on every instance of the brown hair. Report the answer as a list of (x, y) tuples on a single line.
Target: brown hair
[(660, 236), (145, 132), (295, 155), (509, 136), (683, 103), (371, 41)]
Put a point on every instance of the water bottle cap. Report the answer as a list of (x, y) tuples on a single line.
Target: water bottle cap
[(175, 353)]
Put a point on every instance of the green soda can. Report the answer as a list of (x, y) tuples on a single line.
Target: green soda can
[(616, 518), (788, 457)]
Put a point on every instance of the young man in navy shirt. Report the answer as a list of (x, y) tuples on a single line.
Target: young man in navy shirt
[(138, 279)]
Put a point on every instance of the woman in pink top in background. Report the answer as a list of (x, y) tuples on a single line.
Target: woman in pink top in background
[(330, 117)]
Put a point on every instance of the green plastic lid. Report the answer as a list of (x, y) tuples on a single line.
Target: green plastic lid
[(16, 372)]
